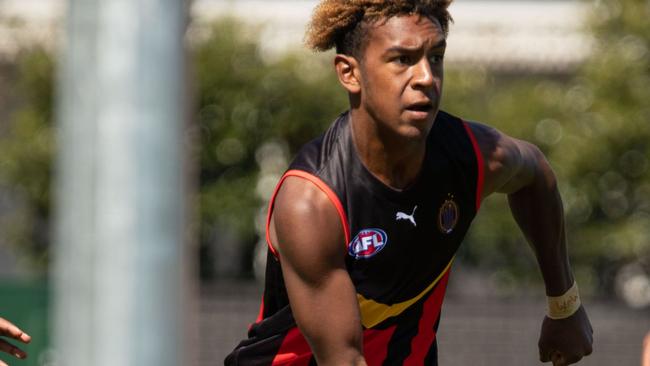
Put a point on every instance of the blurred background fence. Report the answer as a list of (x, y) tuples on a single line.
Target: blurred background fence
[(571, 76)]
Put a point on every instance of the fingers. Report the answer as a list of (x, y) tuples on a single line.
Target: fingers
[(7, 329), (11, 349), (544, 355), (560, 359)]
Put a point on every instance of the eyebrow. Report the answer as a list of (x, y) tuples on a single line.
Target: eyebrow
[(399, 49)]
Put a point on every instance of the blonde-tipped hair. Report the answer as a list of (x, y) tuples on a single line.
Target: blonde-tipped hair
[(341, 24)]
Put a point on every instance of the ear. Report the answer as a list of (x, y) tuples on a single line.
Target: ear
[(348, 72)]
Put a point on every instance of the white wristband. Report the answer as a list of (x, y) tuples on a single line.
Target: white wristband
[(561, 307)]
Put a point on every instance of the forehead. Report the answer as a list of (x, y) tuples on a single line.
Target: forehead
[(407, 31)]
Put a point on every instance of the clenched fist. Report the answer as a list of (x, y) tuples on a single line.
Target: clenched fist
[(566, 341)]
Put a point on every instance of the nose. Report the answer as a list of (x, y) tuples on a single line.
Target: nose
[(423, 77)]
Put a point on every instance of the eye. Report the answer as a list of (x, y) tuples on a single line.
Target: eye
[(403, 59), (436, 59)]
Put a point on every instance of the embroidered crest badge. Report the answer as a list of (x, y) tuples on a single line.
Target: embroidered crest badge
[(448, 216)]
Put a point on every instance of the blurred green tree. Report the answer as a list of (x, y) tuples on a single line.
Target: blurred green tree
[(252, 115), (606, 147), (27, 146), (595, 129)]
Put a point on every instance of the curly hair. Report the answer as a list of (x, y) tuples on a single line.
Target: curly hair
[(343, 24)]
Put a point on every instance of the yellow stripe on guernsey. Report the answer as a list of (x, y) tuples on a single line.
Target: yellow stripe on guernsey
[(373, 313)]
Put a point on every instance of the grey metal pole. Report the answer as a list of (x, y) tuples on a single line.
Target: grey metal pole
[(119, 191)]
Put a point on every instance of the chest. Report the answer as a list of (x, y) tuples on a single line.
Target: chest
[(399, 243)]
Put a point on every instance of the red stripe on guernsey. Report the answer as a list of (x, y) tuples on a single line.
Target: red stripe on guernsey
[(323, 187), (260, 316), (293, 351), (426, 333), (480, 162), (375, 345)]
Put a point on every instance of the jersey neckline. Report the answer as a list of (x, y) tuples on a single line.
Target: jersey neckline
[(370, 180)]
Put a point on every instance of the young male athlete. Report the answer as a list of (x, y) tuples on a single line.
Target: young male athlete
[(7, 329), (363, 227)]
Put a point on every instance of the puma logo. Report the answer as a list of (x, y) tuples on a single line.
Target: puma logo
[(403, 216)]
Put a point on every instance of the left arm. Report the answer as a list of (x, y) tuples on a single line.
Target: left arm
[(520, 170), (7, 329)]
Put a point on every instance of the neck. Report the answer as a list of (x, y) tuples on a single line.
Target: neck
[(395, 160)]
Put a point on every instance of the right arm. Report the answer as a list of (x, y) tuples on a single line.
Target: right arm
[(307, 233)]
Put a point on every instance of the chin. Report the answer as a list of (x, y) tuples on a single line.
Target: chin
[(415, 132), (417, 128)]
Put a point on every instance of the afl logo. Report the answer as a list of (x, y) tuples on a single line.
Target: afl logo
[(367, 243), (448, 216)]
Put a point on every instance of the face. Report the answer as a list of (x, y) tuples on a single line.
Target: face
[(401, 74)]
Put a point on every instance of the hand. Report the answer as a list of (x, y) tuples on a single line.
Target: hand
[(9, 330), (566, 341), (645, 355)]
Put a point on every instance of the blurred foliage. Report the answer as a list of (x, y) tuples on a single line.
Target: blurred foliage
[(247, 110), (253, 114), (26, 143), (605, 152), (595, 130)]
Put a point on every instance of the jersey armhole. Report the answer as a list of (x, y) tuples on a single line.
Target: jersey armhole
[(320, 185), (480, 162)]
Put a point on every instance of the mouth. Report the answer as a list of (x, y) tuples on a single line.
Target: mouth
[(420, 107)]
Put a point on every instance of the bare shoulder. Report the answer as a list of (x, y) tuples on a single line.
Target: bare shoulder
[(306, 228), (509, 162)]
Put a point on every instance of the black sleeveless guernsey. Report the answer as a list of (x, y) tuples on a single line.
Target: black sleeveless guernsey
[(400, 246)]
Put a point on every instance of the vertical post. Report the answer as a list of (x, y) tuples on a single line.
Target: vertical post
[(119, 191)]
